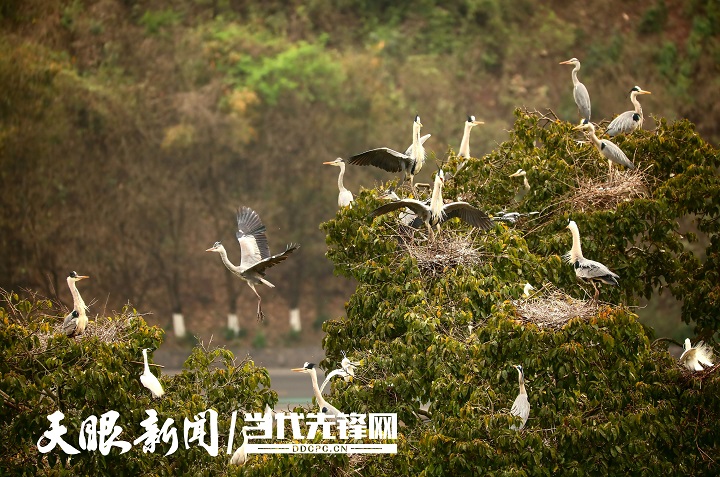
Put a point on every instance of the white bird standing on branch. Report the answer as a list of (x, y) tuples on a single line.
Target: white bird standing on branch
[(346, 370), (464, 150), (628, 121), (521, 406), (588, 270), (149, 380), (438, 212), (76, 321), (695, 357), (325, 407), (255, 253), (239, 457), (610, 151), (580, 92), (345, 197), (409, 163)]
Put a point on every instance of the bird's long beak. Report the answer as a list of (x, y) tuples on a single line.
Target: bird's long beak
[(211, 249), (329, 163), (299, 370), (82, 277), (642, 91), (516, 174), (579, 126), (477, 123), (567, 62)]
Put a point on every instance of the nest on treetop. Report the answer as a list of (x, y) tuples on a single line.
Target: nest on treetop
[(448, 249), (609, 191), (550, 307)]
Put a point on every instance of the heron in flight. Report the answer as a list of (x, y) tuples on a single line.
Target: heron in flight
[(325, 407), (345, 197), (438, 212), (465, 143), (580, 92), (346, 371), (588, 270), (255, 256), (628, 121), (695, 357), (410, 162), (76, 321), (239, 457), (521, 406), (149, 380), (610, 151)]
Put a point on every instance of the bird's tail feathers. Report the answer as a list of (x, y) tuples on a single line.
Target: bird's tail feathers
[(265, 282)]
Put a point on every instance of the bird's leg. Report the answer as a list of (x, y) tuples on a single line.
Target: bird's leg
[(431, 235), (610, 169), (260, 314), (597, 292)]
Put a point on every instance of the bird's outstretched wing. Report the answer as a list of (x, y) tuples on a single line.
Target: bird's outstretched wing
[(614, 153), (623, 123), (467, 213), (384, 158), (415, 205), (590, 269), (268, 262), (251, 236)]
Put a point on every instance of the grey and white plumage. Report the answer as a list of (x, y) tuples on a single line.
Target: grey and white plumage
[(438, 212), (588, 270), (239, 457), (609, 151), (75, 321), (407, 217), (464, 150), (346, 371), (521, 406), (255, 256), (628, 121), (345, 197), (409, 163), (580, 92), (695, 357), (512, 217), (149, 380), (325, 407)]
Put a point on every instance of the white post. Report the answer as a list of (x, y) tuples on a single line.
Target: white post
[(295, 324), (233, 323), (179, 325)]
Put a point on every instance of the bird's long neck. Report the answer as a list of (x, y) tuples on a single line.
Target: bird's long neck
[(78, 303), (521, 380), (574, 74), (594, 139), (418, 152), (340, 177), (147, 366), (436, 202), (465, 143), (576, 251), (316, 388), (526, 184), (635, 102), (228, 264)]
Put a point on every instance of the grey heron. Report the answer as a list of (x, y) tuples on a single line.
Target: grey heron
[(588, 270), (345, 197), (149, 380), (407, 217), (75, 323), (695, 357), (521, 406), (464, 150), (580, 92), (346, 370), (410, 162), (255, 256), (628, 121), (512, 217), (610, 151), (239, 457), (526, 185), (325, 407), (438, 212)]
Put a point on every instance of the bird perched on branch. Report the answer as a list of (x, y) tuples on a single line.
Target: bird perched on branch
[(325, 407), (346, 370), (464, 150), (255, 256), (239, 457), (580, 92), (588, 270), (76, 321), (610, 151), (409, 163), (437, 212), (149, 380), (628, 121), (695, 357), (521, 406), (345, 197)]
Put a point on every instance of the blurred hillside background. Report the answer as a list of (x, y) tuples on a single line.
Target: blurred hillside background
[(131, 131)]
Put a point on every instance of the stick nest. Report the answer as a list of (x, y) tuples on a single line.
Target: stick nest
[(551, 307), (106, 329), (448, 249), (610, 191)]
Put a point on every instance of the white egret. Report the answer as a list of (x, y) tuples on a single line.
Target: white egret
[(345, 197), (75, 323), (588, 270), (346, 371), (521, 406), (580, 92), (325, 407), (438, 212), (239, 457), (149, 380), (610, 151), (527, 289), (464, 150), (695, 357), (628, 121), (255, 253)]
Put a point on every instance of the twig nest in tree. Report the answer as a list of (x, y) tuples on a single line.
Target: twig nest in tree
[(551, 307)]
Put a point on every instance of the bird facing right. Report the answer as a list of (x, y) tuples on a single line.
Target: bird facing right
[(695, 357), (628, 121), (76, 321)]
